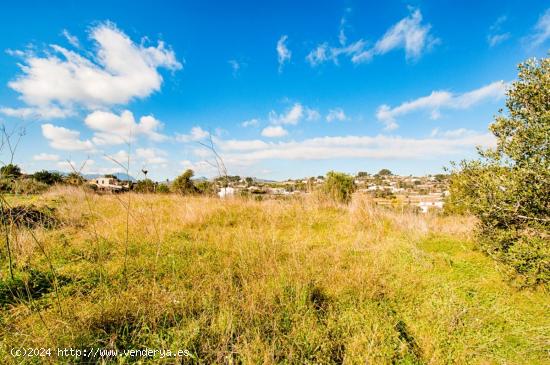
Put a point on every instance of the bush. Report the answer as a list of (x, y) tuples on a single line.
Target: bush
[(47, 177), (183, 183), (163, 189), (10, 171), (206, 187), (339, 187), (74, 179), (145, 186), (508, 188)]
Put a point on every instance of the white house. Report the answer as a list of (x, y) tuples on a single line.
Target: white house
[(426, 206), (107, 183), (225, 192)]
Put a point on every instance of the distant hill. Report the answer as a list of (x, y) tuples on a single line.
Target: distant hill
[(118, 175)]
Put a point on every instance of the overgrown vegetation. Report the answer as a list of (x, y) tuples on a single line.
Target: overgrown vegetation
[(339, 187), (278, 281), (508, 188)]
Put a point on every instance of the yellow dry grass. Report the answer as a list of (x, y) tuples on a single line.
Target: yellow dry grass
[(277, 281)]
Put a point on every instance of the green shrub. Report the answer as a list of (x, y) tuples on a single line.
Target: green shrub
[(205, 187), (10, 171), (508, 188), (339, 187), (47, 177), (145, 186), (163, 189), (183, 183)]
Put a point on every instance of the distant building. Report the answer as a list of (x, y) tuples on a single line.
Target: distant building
[(426, 206), (108, 184), (226, 192)]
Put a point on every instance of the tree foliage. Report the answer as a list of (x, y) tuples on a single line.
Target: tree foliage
[(508, 187), (183, 183), (47, 177), (384, 172), (339, 186), (145, 186), (10, 171)]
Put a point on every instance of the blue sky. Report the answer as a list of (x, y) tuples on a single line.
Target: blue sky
[(285, 89)]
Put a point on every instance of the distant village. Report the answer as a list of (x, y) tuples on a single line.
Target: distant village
[(423, 193)]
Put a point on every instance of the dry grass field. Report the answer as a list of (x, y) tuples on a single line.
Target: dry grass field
[(276, 281)]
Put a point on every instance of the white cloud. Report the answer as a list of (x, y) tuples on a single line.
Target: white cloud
[(336, 114), (46, 157), (250, 123), (541, 31), (73, 40), (243, 152), (454, 133), (274, 131), (118, 72), (196, 134), (120, 157), (438, 100), (319, 55), (152, 156), (409, 34), (199, 167), (496, 36), (494, 39), (283, 53), (48, 112), (65, 139), (325, 53), (85, 167), (292, 115), (113, 129), (312, 114)]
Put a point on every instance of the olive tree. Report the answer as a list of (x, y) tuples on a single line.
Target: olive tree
[(508, 186)]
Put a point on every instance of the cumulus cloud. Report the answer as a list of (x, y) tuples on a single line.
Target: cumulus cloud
[(274, 131), (409, 34), (120, 159), (65, 139), (48, 112), (119, 71), (336, 114), (113, 129), (46, 157), (496, 35), (196, 134), (438, 100), (541, 31), (283, 53), (199, 167), (152, 156)]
